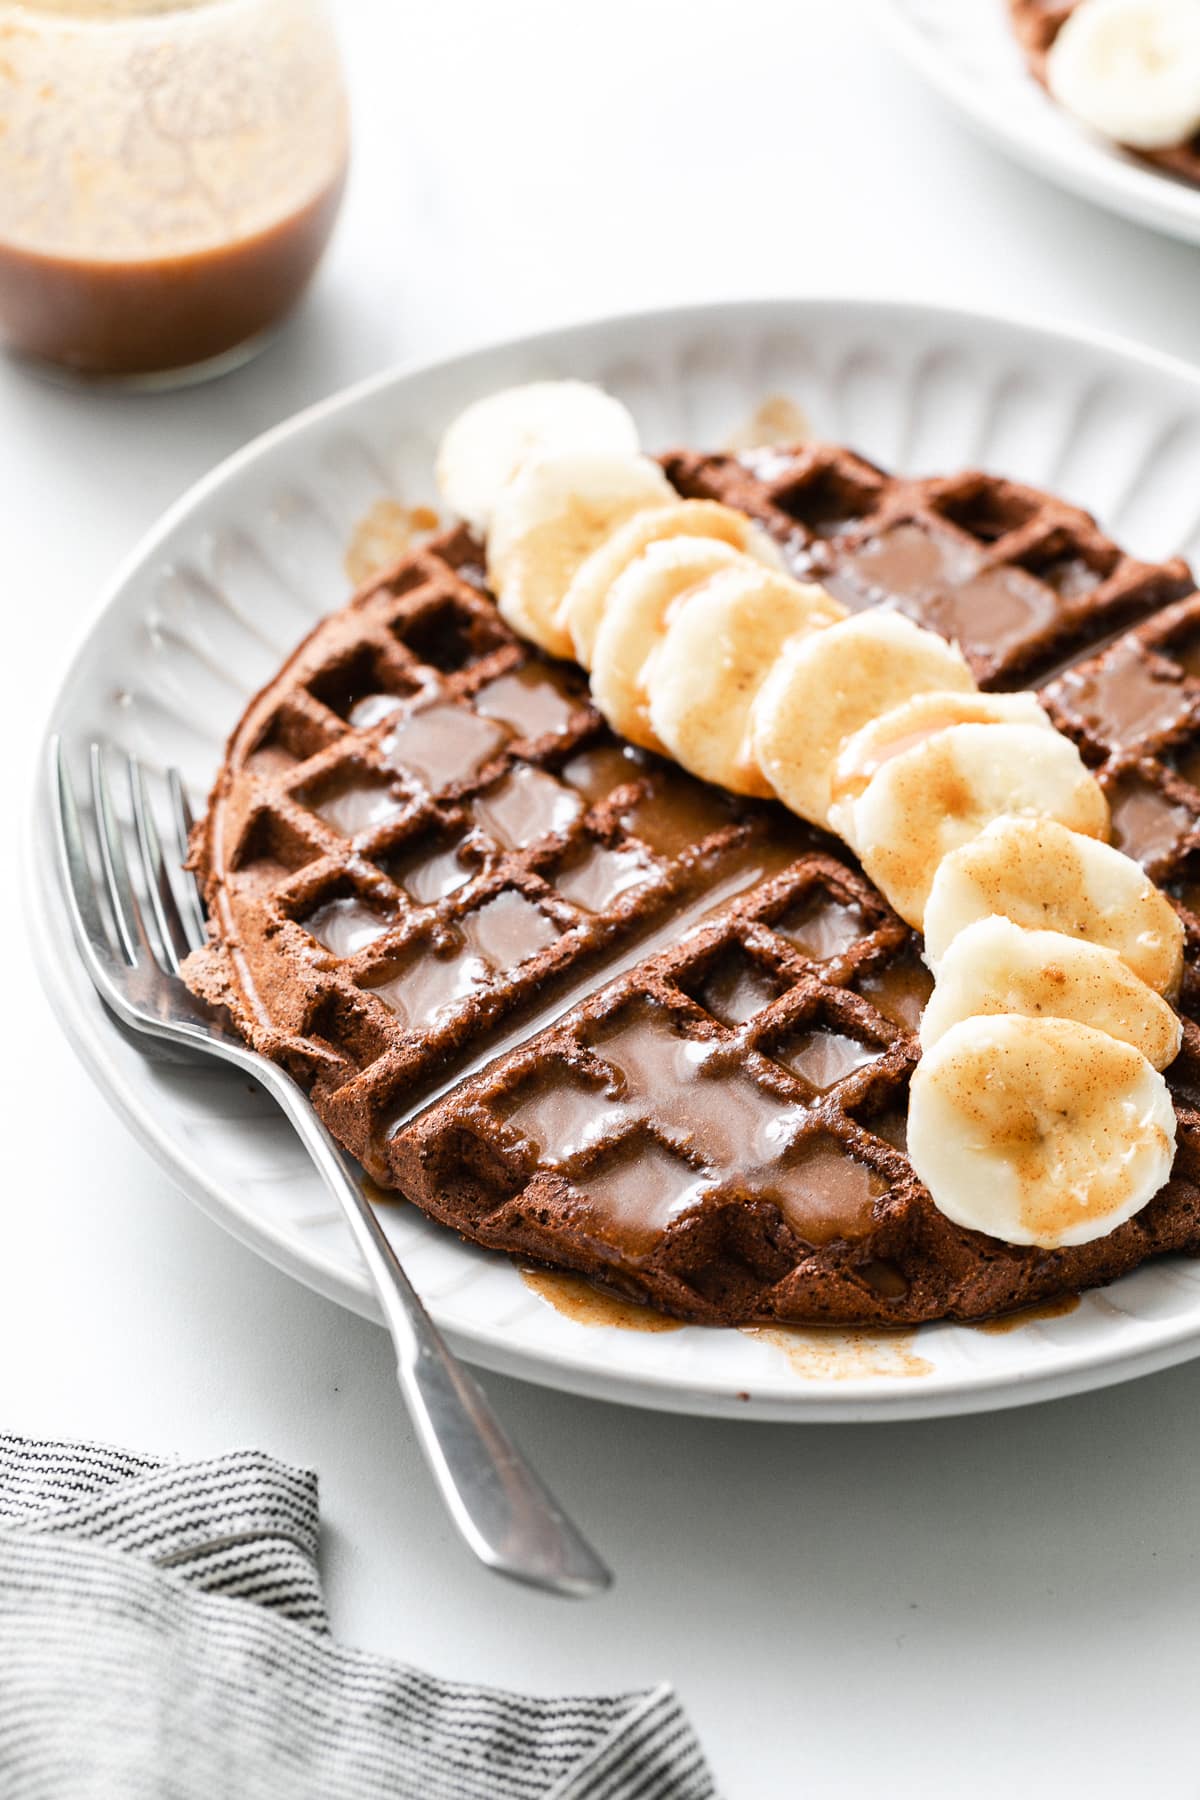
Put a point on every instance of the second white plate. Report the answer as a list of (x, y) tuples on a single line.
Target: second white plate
[(966, 49), (210, 603)]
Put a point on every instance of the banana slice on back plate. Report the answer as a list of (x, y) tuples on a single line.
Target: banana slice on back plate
[(995, 966), (927, 801), (720, 642), (907, 725), (1039, 1131), (1130, 69), (826, 686), (635, 618), (585, 599), (549, 518), (489, 441), (1043, 876)]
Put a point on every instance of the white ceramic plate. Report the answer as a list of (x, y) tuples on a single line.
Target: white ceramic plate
[(966, 49), (210, 602)]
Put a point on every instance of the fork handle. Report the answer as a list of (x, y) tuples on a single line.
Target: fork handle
[(507, 1515)]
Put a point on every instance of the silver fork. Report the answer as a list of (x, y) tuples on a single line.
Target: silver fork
[(134, 926)]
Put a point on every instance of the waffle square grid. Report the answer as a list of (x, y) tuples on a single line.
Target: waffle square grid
[(424, 834)]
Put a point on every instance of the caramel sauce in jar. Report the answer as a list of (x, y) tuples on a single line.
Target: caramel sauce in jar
[(169, 177)]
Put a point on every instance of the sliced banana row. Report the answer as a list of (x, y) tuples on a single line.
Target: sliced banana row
[(1037, 1113), (592, 555), (995, 966), (1046, 878), (635, 621), (581, 607), (715, 654), (491, 440), (549, 517), (1039, 1131), (823, 690)]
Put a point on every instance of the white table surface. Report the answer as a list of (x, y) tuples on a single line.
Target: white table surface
[(1011, 1602)]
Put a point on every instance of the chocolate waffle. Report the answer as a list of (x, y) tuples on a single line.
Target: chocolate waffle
[(1037, 23), (592, 1012)]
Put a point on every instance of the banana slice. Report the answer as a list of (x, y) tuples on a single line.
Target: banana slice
[(549, 518), (907, 725), (489, 441), (1130, 69), (586, 597), (721, 640), (927, 801), (826, 686), (635, 619), (1042, 876), (1039, 1131), (995, 966)]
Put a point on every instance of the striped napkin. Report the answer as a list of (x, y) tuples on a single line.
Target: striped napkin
[(163, 1637)]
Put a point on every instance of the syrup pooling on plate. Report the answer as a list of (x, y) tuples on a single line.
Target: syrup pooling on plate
[(585, 1303)]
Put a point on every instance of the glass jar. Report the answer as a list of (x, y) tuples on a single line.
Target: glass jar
[(170, 171)]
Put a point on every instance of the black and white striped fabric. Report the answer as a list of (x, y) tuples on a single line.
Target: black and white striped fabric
[(163, 1637)]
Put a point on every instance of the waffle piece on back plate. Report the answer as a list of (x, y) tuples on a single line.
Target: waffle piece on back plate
[(1037, 23), (592, 1012)]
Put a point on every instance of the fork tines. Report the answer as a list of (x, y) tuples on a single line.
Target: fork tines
[(130, 908)]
